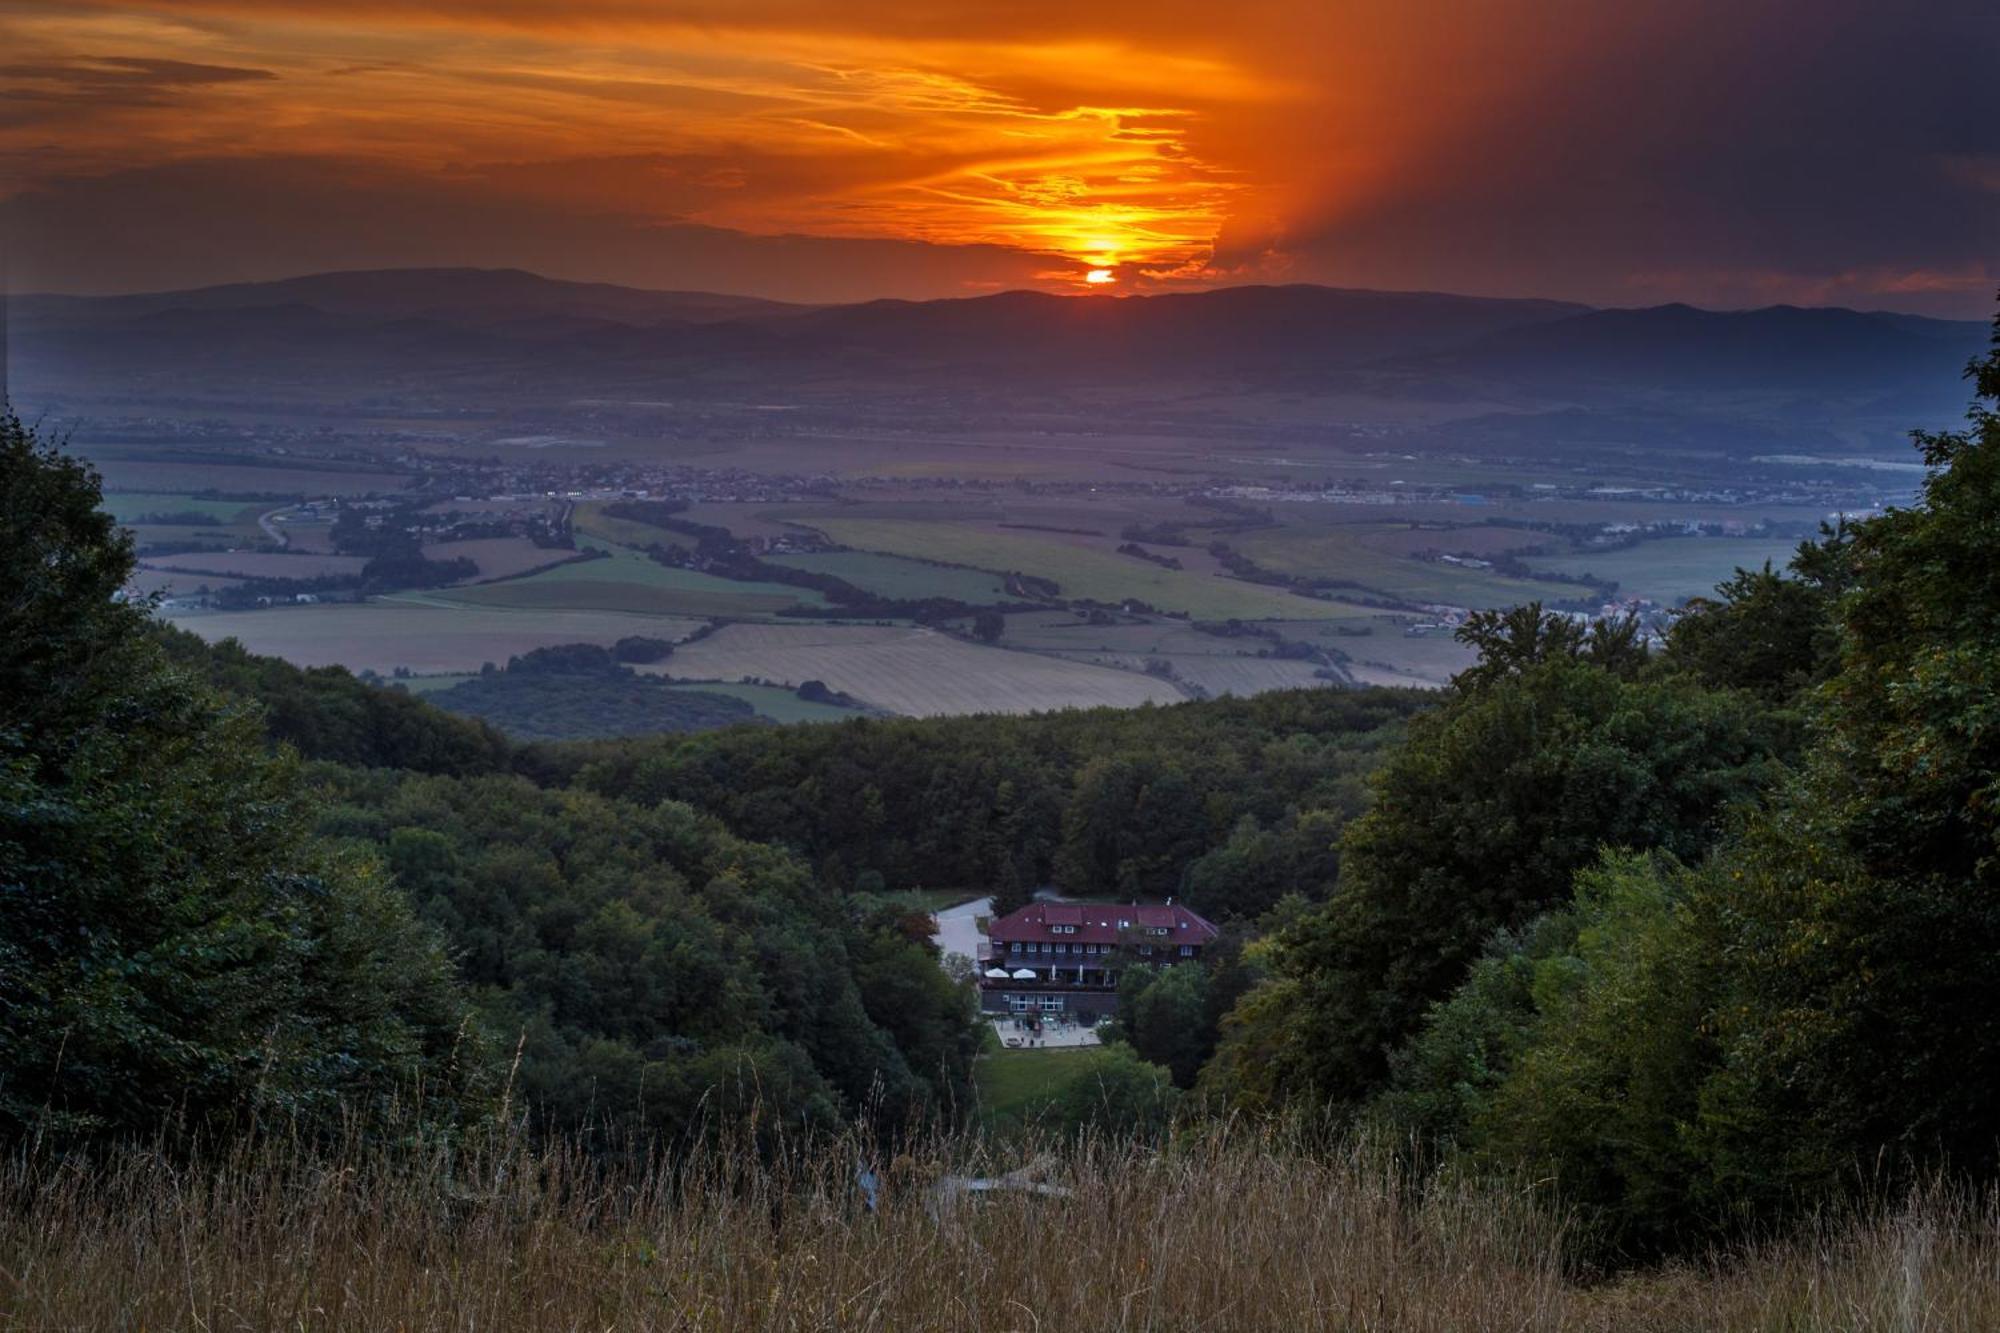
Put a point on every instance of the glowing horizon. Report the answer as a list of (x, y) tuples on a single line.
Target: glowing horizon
[(812, 150)]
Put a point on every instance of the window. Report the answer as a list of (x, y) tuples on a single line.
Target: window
[(1187, 951), (1124, 923)]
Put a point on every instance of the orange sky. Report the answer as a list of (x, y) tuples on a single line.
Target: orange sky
[(799, 147)]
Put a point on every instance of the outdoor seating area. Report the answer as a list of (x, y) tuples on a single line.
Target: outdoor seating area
[(1050, 1030)]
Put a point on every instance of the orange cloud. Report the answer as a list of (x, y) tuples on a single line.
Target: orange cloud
[(764, 129), (1558, 147)]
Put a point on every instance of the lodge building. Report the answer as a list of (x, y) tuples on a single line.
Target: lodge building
[(1064, 958)]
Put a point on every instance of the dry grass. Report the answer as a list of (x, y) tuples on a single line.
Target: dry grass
[(1219, 1236)]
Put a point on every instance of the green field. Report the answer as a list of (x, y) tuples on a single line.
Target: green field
[(627, 580), (1081, 571), (1674, 569), (1346, 552), (894, 576), (1016, 1085), (590, 520), (125, 506)]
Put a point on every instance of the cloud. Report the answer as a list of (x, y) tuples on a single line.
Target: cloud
[(1724, 151)]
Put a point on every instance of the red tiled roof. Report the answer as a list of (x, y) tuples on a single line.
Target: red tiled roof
[(1099, 923)]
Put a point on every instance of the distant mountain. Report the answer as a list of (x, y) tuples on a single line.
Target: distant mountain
[(1550, 370), (444, 295), (1679, 348), (1231, 328)]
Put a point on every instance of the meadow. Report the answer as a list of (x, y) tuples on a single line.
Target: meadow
[(1230, 1233), (1080, 571), (911, 670)]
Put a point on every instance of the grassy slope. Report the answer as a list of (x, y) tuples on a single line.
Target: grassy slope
[(1228, 1233)]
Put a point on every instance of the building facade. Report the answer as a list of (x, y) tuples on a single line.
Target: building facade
[(1063, 959)]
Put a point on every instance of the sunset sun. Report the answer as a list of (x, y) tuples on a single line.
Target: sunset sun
[(1100, 277)]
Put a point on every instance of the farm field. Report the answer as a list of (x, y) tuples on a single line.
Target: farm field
[(499, 557), (625, 580), (772, 701), (1081, 572), (171, 582), (261, 564), (1477, 539), (590, 520), (421, 634), (1216, 664), (1346, 552), (130, 506), (157, 476), (895, 576), (1673, 569), (1246, 675), (917, 672)]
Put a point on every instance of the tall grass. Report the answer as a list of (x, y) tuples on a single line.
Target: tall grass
[(1219, 1235)]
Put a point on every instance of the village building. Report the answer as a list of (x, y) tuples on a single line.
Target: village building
[(1063, 959)]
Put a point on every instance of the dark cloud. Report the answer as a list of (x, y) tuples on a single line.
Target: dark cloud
[(57, 91), (1839, 152)]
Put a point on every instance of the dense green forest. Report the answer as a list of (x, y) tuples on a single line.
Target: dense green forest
[(580, 690), (1701, 930)]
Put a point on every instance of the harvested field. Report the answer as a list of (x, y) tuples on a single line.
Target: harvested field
[(918, 672), (1081, 571), (1246, 675), (145, 582), (261, 564), (499, 557), (419, 633)]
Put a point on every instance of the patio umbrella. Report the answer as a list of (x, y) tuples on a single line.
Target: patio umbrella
[(1024, 974), (999, 972)]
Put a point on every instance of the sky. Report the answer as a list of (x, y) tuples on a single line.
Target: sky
[(1619, 152)]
